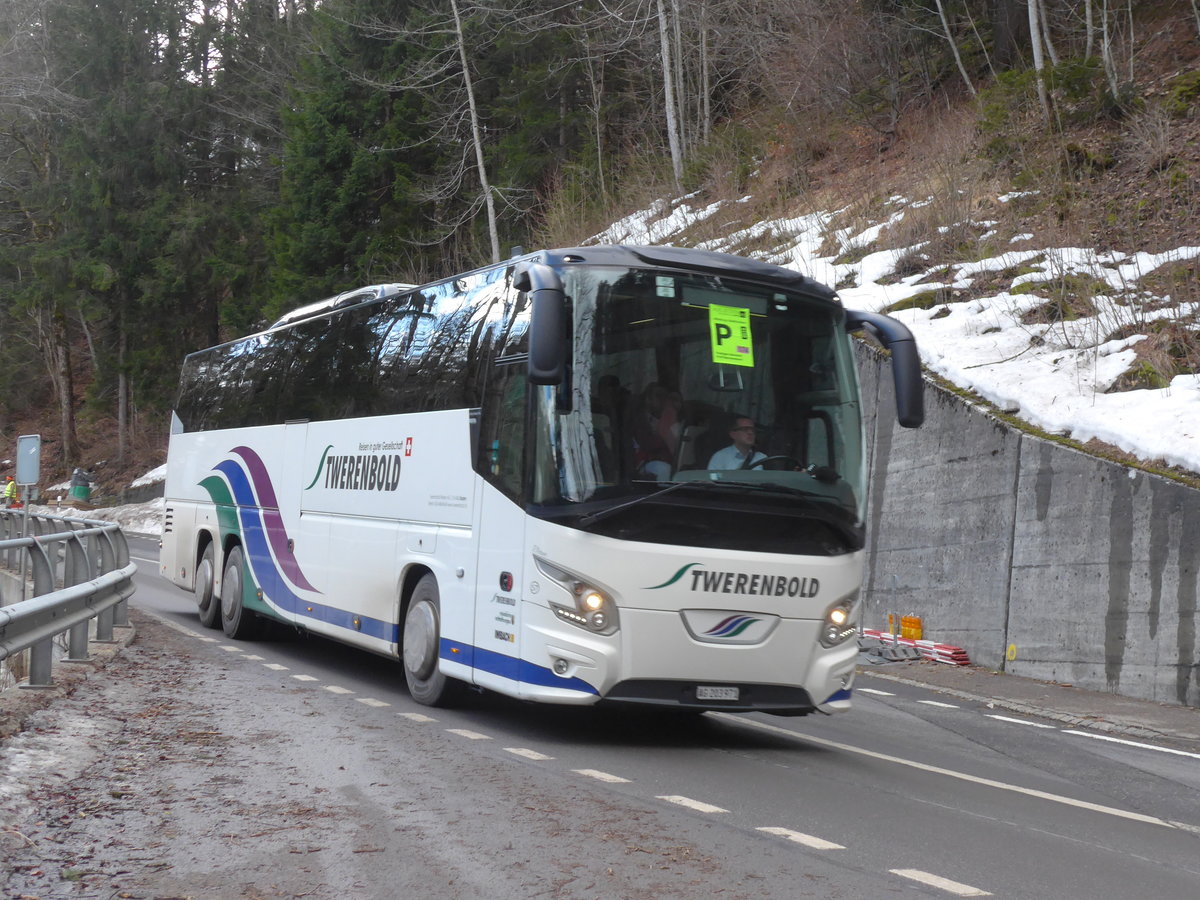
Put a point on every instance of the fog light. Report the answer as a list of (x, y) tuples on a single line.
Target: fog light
[(597, 620), (593, 601), (561, 666), (838, 616)]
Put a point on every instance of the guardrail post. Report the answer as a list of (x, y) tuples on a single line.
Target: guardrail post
[(41, 654), (105, 620), (75, 571), (120, 547)]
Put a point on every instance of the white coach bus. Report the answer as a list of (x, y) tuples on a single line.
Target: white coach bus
[(629, 474)]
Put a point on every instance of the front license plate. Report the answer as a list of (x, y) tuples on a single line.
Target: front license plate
[(708, 692)]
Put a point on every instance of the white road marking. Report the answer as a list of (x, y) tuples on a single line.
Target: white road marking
[(305, 678), (199, 637), (334, 689), (255, 657), (807, 840), (873, 691), (528, 754), (601, 776), (1105, 737), (692, 804), (938, 703), (937, 881), (417, 717), (949, 773), (276, 667), (371, 701), (468, 734), (230, 648), (1018, 721), (153, 562)]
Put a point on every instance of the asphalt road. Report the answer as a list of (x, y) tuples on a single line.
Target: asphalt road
[(198, 767)]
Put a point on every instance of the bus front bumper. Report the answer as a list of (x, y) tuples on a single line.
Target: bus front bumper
[(653, 660)]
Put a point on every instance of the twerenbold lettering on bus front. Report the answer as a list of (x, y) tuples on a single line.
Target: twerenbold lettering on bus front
[(760, 585)]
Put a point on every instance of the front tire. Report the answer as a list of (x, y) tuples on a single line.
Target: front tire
[(237, 622), (208, 603), (422, 642)]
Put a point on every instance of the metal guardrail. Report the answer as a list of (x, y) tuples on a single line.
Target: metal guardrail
[(80, 572)]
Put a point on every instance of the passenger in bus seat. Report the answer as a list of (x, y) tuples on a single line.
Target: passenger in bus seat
[(741, 454), (656, 431)]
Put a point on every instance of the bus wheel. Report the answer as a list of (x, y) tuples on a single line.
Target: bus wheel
[(210, 605), (237, 622), (422, 637)]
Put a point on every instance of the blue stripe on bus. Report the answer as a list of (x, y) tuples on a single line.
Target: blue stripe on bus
[(510, 667), (842, 694)]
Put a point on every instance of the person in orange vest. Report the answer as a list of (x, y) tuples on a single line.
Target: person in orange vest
[(10, 491)]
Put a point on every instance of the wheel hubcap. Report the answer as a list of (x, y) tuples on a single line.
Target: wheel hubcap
[(420, 639), (229, 595)]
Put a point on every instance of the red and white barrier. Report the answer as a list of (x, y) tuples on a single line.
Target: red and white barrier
[(946, 653)]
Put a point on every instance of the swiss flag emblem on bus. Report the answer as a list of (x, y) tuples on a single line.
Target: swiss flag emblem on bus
[(408, 446)]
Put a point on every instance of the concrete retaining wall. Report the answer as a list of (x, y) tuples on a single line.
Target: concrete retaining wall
[(1039, 560)]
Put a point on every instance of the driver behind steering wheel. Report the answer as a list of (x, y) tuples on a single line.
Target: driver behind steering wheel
[(741, 453)]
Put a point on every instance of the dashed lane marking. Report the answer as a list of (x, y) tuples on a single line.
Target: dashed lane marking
[(938, 703), (371, 701), (305, 678), (417, 717), (276, 667), (254, 657), (696, 805), (334, 689), (528, 754), (949, 773), (937, 881), (800, 837), (601, 776), (230, 648), (1113, 740), (1018, 721), (863, 690), (468, 734)]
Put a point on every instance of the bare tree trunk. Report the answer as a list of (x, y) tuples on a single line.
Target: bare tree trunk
[(1110, 67), (1049, 44), (60, 351), (1196, 13), (122, 396), (669, 94), (1039, 63), (476, 135), (705, 83), (962, 70), (1089, 24)]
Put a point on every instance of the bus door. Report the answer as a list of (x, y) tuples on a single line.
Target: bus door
[(498, 591)]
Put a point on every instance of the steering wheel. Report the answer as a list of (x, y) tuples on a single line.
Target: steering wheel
[(797, 464)]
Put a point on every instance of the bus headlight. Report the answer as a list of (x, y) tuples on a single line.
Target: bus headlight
[(589, 607), (839, 625)]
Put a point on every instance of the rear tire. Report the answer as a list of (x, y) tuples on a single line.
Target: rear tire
[(208, 603), (421, 648), (237, 622)]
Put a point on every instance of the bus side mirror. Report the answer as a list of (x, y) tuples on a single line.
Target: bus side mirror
[(906, 362), (547, 344)]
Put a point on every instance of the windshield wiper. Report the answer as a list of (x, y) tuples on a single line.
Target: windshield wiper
[(612, 510), (761, 486)]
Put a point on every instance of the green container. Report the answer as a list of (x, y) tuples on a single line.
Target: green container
[(81, 491)]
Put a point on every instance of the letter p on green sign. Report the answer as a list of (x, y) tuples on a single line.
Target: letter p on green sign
[(729, 327)]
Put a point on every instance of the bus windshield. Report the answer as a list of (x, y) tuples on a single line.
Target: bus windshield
[(760, 430)]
